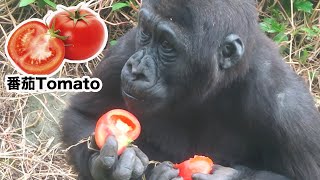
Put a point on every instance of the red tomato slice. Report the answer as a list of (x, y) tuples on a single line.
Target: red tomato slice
[(34, 50), (197, 164), (120, 123), (86, 34)]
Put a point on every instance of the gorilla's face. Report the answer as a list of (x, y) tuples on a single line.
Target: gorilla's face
[(174, 62), (150, 76)]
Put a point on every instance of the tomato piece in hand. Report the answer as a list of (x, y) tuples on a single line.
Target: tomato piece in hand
[(197, 164), (120, 123), (34, 50), (86, 33)]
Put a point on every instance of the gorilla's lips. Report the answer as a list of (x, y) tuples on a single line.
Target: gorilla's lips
[(128, 95), (134, 103)]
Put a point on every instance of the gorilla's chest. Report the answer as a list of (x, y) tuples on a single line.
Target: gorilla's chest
[(224, 144)]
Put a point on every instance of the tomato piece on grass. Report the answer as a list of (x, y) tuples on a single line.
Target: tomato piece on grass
[(197, 164), (120, 123), (34, 50), (86, 34)]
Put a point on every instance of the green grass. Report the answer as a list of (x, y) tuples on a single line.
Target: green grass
[(295, 26)]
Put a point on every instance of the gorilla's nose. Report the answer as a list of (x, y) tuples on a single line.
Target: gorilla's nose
[(139, 73), (136, 70)]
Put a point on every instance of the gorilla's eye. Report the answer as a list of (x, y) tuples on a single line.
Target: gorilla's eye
[(166, 51), (145, 35), (166, 46), (228, 50), (145, 32)]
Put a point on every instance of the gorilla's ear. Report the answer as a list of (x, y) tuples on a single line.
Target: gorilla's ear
[(231, 50)]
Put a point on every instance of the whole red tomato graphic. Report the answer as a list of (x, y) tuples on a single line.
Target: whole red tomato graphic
[(85, 33)]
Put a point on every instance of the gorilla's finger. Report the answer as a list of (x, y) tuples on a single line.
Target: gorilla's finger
[(200, 176), (138, 168), (160, 169), (125, 165), (96, 167), (219, 172), (224, 171), (169, 174), (177, 178), (216, 167), (108, 153), (93, 160), (143, 157)]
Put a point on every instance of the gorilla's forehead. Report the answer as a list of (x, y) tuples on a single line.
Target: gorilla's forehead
[(178, 10), (192, 13)]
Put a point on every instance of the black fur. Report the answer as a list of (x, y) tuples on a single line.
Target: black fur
[(257, 113)]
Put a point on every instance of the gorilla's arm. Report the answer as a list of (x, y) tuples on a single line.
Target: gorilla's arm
[(85, 108), (287, 122)]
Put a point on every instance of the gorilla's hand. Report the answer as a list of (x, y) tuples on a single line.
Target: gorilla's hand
[(219, 172), (165, 171), (106, 165), (239, 172)]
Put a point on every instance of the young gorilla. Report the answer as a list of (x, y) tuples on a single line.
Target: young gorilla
[(202, 79)]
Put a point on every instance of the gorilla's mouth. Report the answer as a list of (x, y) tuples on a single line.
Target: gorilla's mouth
[(133, 103), (128, 95)]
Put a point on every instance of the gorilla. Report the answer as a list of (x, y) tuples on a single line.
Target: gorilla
[(202, 80)]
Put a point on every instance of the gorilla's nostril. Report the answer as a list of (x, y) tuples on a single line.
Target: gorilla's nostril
[(137, 74), (129, 65), (141, 76)]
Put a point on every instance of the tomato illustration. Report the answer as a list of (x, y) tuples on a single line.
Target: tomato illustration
[(34, 48), (85, 32)]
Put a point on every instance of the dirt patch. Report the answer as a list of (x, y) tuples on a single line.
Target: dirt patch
[(46, 125)]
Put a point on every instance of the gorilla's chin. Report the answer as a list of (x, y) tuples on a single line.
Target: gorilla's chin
[(134, 104), (129, 96), (143, 106)]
